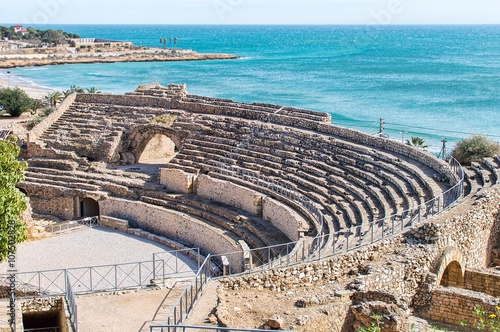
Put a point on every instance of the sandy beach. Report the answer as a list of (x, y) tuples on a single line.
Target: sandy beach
[(33, 92)]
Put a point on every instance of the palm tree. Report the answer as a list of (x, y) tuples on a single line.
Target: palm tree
[(53, 98), (37, 104), (93, 90), (161, 42), (175, 41), (170, 44), (417, 142), (73, 89), (165, 42)]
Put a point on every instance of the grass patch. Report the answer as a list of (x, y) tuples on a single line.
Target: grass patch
[(166, 120)]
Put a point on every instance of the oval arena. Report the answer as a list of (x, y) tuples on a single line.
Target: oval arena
[(254, 186)]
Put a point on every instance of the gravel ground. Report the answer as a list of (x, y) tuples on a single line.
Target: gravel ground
[(91, 247)]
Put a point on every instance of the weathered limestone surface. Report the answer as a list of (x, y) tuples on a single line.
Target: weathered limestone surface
[(229, 193), (283, 217), (172, 224), (453, 305), (176, 180), (61, 207), (35, 133)]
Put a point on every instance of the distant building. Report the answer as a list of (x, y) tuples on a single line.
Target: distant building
[(17, 28), (76, 42)]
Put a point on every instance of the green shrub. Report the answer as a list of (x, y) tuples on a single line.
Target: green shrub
[(47, 110), (30, 125), (15, 101), (12, 201), (485, 322), (474, 149)]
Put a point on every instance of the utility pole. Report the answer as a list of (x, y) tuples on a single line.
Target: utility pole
[(381, 130), (403, 132), (443, 150)]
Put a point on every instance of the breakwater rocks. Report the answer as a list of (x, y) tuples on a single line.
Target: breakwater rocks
[(23, 61)]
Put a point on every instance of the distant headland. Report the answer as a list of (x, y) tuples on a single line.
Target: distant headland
[(31, 47)]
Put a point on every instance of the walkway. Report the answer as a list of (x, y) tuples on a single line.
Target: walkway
[(90, 247)]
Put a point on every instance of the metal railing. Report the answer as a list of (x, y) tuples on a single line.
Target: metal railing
[(273, 185), (182, 328), (186, 301), (70, 297), (340, 241), (5, 132), (44, 329), (66, 227), (304, 250), (105, 277), (176, 262)]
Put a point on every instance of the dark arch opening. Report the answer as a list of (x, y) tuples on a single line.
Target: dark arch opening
[(160, 149), (23, 191), (452, 276), (89, 207)]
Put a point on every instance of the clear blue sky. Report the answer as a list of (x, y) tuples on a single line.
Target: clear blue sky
[(251, 11)]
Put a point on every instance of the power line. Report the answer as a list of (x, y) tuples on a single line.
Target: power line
[(412, 126), (438, 130)]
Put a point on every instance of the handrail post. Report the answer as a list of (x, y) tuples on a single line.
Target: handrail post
[(373, 223)]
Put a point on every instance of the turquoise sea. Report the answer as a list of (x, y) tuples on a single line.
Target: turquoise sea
[(432, 81)]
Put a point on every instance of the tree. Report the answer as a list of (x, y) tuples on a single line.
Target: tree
[(72, 89), (161, 42), (15, 101), (93, 90), (175, 41), (165, 42), (12, 201), (474, 149), (54, 97), (417, 142), (37, 104), (170, 44)]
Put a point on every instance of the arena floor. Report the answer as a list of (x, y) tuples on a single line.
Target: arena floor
[(91, 247)]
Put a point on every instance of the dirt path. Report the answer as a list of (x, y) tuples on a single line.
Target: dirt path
[(205, 306), (133, 311)]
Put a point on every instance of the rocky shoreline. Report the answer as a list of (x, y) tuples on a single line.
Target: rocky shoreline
[(25, 61)]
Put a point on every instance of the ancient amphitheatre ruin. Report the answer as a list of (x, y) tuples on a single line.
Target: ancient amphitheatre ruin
[(334, 223)]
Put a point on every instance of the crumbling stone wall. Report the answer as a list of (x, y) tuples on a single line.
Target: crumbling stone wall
[(453, 305), (284, 218), (176, 180), (38, 130), (483, 281), (174, 225), (229, 193)]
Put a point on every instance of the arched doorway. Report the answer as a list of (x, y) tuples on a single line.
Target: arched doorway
[(452, 276), (89, 207), (160, 149)]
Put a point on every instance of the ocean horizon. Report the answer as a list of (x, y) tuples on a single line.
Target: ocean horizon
[(432, 81)]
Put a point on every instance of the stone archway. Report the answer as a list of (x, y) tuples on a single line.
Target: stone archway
[(159, 149), (89, 207), (153, 142), (451, 270)]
